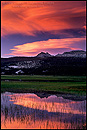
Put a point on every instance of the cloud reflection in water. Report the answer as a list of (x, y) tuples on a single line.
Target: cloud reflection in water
[(31, 112)]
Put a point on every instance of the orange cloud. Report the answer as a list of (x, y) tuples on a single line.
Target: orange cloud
[(34, 48), (28, 17)]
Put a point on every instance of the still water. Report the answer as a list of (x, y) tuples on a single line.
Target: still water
[(29, 111)]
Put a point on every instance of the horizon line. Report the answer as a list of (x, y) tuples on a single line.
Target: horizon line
[(43, 52)]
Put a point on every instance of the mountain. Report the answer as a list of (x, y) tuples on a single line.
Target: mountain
[(43, 55), (75, 53), (68, 63)]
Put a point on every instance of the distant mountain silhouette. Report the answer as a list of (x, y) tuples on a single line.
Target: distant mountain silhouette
[(75, 53), (43, 54)]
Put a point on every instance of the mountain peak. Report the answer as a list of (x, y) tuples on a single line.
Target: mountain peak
[(43, 54)]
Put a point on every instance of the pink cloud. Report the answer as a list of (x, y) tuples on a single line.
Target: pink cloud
[(32, 49)]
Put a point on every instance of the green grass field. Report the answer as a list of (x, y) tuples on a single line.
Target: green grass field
[(65, 87), (40, 77)]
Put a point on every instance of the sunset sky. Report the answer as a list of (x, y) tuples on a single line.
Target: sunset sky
[(31, 27)]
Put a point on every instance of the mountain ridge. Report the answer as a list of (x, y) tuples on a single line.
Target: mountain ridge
[(73, 53), (64, 64)]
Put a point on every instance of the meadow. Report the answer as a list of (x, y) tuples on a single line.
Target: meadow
[(31, 83)]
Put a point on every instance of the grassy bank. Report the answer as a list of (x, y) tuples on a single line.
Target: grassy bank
[(42, 77), (64, 87)]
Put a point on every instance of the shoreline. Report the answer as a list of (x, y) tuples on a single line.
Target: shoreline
[(68, 86), (43, 93)]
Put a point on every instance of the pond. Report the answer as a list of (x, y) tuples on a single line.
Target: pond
[(30, 111)]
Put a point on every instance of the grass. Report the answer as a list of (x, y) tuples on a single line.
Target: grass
[(65, 87), (41, 77)]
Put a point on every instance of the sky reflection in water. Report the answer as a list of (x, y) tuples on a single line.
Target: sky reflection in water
[(28, 111)]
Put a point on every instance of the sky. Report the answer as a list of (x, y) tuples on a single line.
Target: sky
[(31, 27)]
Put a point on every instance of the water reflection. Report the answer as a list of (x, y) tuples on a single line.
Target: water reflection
[(28, 111)]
